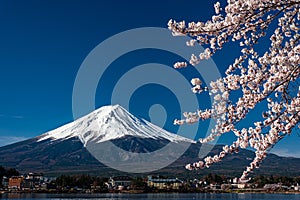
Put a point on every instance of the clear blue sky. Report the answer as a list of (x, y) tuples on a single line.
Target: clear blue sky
[(43, 43)]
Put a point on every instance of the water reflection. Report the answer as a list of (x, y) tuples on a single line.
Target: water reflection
[(150, 196)]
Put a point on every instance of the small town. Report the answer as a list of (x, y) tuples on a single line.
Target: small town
[(211, 183)]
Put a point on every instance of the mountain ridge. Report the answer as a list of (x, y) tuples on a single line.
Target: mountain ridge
[(52, 153), (47, 157)]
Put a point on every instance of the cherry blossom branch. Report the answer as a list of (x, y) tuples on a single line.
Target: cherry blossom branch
[(268, 76)]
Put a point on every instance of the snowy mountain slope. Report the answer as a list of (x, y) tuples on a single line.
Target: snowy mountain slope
[(110, 123), (62, 150)]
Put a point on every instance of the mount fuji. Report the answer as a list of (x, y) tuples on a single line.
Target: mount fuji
[(110, 123), (80, 146), (83, 143)]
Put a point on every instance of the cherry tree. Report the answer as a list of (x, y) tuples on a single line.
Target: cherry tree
[(259, 75)]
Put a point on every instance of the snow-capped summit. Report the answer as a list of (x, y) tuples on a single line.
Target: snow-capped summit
[(109, 123)]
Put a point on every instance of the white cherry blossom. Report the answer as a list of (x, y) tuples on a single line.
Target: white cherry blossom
[(269, 77)]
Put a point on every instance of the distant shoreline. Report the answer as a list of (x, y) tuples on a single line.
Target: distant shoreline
[(154, 192)]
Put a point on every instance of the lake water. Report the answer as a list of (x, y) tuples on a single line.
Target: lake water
[(160, 196)]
